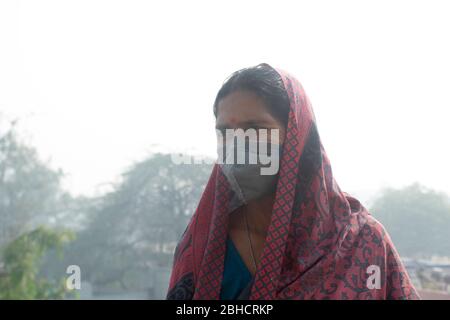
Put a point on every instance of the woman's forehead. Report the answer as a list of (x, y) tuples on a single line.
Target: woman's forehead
[(242, 107)]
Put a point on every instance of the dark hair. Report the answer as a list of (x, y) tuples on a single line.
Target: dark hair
[(265, 82)]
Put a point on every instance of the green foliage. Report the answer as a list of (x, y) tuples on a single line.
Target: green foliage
[(29, 189), (418, 220), (21, 263)]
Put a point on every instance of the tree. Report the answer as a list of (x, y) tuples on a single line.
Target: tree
[(21, 263), (138, 224), (29, 189), (417, 218)]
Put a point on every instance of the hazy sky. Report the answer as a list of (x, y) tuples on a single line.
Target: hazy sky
[(97, 84)]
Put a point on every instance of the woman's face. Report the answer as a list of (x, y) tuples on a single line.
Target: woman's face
[(245, 110)]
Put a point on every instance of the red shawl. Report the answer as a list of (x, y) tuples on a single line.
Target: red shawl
[(321, 242)]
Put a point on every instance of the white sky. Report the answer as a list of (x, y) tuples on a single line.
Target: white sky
[(97, 84)]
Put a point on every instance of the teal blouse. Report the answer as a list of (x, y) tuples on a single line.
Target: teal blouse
[(236, 275)]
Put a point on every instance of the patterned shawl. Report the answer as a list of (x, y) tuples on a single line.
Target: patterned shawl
[(321, 242)]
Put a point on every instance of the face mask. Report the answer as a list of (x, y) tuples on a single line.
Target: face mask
[(250, 180)]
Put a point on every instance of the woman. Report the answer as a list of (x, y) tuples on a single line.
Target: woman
[(292, 236)]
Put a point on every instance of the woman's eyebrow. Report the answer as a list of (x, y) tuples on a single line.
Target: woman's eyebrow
[(253, 123), (248, 123)]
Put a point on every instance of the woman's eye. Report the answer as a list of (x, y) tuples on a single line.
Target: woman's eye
[(254, 128)]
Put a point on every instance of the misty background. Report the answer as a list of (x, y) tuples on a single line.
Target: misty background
[(95, 95)]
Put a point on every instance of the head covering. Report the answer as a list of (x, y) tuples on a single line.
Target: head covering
[(321, 242)]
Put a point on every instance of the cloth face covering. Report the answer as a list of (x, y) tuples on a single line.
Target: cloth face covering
[(247, 178), (321, 242)]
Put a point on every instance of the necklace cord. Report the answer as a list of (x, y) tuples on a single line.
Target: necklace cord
[(250, 241)]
